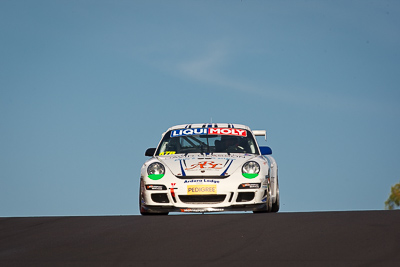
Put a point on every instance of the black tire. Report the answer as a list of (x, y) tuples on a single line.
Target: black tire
[(141, 209), (276, 204), (268, 207)]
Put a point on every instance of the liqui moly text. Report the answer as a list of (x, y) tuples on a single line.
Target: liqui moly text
[(202, 131)]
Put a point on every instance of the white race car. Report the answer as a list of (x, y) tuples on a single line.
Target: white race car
[(209, 168)]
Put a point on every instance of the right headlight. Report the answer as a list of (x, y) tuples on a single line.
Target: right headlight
[(250, 169), (156, 171)]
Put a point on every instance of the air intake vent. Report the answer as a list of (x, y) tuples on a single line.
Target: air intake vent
[(245, 196), (202, 199), (160, 198)]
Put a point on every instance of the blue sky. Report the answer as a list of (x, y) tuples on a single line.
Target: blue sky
[(87, 86)]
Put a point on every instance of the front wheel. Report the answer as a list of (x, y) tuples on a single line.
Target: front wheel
[(141, 208), (268, 206), (276, 204)]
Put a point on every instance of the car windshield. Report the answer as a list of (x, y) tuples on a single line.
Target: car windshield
[(222, 140)]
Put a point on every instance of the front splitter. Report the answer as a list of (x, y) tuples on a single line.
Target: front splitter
[(163, 209)]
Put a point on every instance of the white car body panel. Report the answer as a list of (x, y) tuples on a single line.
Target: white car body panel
[(207, 182)]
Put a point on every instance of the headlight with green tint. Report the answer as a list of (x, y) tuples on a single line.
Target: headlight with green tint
[(156, 171), (250, 169)]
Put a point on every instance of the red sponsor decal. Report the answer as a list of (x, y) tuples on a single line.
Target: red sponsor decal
[(227, 131), (206, 165)]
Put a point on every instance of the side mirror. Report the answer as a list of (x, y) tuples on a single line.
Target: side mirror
[(265, 150), (150, 152)]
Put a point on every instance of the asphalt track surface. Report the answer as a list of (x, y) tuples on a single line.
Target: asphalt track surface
[(354, 238)]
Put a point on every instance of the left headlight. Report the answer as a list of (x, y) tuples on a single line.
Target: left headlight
[(250, 169), (156, 171)]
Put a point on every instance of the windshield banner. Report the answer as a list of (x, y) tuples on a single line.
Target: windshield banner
[(202, 131)]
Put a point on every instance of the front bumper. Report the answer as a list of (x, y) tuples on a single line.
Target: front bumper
[(164, 209), (235, 193)]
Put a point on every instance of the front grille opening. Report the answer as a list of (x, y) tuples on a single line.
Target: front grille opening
[(160, 198), (199, 199), (245, 196)]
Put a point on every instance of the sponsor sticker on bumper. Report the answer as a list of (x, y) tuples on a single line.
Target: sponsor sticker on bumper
[(201, 189)]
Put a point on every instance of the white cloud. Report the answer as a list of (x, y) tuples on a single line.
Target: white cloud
[(210, 69)]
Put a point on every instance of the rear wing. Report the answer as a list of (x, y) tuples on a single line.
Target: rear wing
[(260, 133)]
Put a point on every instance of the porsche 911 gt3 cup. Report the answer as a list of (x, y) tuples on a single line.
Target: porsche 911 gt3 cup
[(209, 168)]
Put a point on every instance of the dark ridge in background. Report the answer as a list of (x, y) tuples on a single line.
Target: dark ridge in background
[(352, 238)]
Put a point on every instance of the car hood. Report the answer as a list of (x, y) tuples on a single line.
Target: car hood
[(205, 165)]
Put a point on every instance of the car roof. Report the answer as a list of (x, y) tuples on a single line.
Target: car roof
[(209, 125), (218, 125)]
